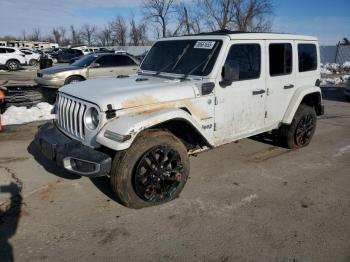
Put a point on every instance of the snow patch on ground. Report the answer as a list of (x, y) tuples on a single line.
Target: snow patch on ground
[(20, 115), (340, 73), (335, 81)]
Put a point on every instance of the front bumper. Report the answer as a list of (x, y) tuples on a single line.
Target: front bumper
[(72, 155), (49, 82)]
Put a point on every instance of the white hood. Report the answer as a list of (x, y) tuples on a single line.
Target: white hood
[(131, 91)]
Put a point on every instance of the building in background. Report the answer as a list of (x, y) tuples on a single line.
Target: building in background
[(30, 44)]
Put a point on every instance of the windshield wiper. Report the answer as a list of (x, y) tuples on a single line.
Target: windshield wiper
[(184, 51), (206, 61)]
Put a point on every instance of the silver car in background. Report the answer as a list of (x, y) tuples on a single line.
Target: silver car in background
[(88, 67)]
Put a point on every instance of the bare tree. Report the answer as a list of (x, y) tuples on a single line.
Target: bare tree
[(24, 35), (159, 12), (119, 31), (137, 33), (242, 15), (219, 13), (88, 34), (253, 15), (56, 35), (75, 36), (35, 35), (188, 19), (105, 37)]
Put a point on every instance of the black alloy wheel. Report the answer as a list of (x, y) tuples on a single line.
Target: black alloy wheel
[(158, 174), (304, 130)]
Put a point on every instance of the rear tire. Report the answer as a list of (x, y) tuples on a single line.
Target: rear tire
[(152, 171), (300, 132), (13, 65), (73, 79)]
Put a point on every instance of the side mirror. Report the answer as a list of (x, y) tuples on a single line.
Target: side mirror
[(230, 73), (95, 65)]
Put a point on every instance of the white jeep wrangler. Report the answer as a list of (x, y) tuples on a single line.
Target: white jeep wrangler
[(191, 94)]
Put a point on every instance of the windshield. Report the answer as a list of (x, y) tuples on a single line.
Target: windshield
[(185, 57), (84, 61)]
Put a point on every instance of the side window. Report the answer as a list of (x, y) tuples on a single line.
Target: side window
[(10, 50), (280, 59), (108, 61), (2, 50), (307, 57), (125, 61), (248, 58)]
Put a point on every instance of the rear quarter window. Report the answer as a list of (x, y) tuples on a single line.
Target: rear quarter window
[(10, 50), (307, 54)]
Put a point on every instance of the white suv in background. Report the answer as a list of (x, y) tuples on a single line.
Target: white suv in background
[(31, 57), (12, 58)]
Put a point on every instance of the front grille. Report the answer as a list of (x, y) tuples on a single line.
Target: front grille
[(70, 115)]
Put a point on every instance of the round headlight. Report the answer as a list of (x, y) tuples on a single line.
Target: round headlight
[(92, 118)]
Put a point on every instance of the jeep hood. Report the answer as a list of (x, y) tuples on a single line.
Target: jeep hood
[(131, 91)]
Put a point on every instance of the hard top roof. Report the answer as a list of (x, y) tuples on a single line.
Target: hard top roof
[(251, 35)]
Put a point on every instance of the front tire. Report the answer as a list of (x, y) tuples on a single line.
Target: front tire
[(300, 132), (13, 65), (152, 171)]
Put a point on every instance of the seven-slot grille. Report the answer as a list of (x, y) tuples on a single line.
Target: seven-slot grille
[(70, 116)]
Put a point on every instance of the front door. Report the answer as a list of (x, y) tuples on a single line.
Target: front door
[(240, 108)]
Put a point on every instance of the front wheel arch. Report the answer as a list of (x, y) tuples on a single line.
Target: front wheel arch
[(72, 78)]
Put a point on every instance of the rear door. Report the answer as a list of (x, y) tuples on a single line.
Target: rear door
[(125, 65), (241, 106), (280, 79)]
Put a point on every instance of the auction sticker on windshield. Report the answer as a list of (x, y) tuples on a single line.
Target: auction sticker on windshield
[(205, 44)]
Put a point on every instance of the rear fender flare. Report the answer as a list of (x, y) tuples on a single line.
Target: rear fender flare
[(296, 100)]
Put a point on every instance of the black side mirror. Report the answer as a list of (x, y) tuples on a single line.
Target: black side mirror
[(230, 73)]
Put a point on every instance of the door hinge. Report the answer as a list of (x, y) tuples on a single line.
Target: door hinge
[(267, 91), (216, 101), (265, 114)]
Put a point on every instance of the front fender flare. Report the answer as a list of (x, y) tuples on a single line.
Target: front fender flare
[(133, 124), (297, 98)]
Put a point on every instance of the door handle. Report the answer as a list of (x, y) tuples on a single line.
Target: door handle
[(288, 86), (258, 92)]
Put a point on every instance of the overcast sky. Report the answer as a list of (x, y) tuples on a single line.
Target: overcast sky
[(328, 20)]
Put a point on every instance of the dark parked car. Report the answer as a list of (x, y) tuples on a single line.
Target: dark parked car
[(65, 55)]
